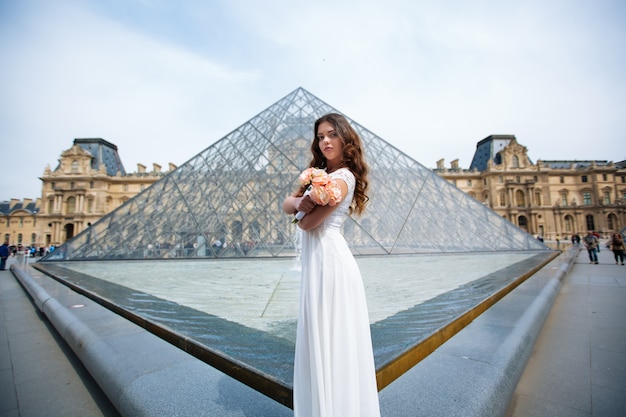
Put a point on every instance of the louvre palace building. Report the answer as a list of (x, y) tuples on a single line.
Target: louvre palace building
[(551, 198)]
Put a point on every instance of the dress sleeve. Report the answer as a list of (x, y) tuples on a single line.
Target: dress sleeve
[(346, 175)]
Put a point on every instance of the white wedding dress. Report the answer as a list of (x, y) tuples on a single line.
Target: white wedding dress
[(334, 373)]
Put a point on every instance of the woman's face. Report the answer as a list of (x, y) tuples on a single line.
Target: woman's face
[(329, 142)]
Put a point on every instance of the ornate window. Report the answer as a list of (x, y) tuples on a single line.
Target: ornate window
[(564, 198), (587, 198), (607, 197), (590, 223), (611, 221), (569, 223), (520, 198), (538, 198), (71, 205), (503, 198), (515, 162), (74, 167)]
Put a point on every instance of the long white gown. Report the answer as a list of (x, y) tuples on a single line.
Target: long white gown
[(334, 374)]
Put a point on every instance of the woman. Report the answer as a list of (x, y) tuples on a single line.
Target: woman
[(334, 374), (617, 246)]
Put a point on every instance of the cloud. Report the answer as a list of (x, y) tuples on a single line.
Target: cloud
[(163, 81)]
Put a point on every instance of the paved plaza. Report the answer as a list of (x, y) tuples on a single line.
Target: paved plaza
[(577, 367)]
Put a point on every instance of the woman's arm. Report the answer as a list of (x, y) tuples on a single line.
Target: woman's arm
[(317, 214)]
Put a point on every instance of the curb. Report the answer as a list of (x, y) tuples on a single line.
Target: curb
[(475, 373)]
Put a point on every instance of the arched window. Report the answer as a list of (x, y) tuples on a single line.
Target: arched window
[(538, 198), (502, 198), (515, 162), (237, 229), (611, 221), (519, 198), (71, 205), (569, 223), (522, 222), (74, 167), (50, 205), (255, 231), (591, 225)]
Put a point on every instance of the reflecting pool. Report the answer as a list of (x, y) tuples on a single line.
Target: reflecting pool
[(245, 310)]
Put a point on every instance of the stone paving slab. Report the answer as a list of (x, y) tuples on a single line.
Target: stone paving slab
[(578, 365), (39, 374)]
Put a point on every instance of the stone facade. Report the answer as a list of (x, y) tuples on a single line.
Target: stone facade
[(85, 186), (548, 198)]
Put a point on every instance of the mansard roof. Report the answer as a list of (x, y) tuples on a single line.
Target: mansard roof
[(104, 154)]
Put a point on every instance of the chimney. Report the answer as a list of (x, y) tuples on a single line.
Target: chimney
[(454, 164), (156, 167), (141, 168), (172, 166), (440, 164)]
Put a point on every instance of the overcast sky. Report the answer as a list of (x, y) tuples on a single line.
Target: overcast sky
[(165, 79)]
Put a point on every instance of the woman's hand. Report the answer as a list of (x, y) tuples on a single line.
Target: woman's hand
[(293, 204), (305, 204)]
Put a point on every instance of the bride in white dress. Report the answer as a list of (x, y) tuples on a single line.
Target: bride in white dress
[(334, 374)]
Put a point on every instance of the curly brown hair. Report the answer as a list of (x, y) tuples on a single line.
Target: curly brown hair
[(353, 157)]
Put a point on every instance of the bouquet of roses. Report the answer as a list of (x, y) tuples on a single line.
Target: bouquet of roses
[(322, 189)]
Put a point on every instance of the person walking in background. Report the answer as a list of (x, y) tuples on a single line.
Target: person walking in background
[(591, 243), (334, 373), (616, 244), (4, 254), (597, 235)]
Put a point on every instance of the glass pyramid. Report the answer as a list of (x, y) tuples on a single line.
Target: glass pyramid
[(226, 201)]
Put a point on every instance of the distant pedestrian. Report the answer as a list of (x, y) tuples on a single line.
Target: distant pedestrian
[(591, 243), (616, 244), (4, 254), (597, 235)]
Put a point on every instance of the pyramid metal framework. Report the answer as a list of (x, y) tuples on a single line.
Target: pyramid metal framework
[(226, 201)]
